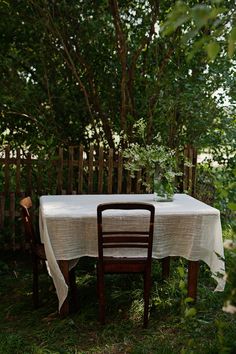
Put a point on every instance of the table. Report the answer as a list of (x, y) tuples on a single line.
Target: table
[(184, 227)]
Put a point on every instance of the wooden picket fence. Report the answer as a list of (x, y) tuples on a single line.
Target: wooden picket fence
[(75, 170)]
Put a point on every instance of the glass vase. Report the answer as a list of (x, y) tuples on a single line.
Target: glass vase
[(163, 187)]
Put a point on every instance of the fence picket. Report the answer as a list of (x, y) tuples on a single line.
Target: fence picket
[(81, 169), (100, 169), (2, 209), (7, 169), (70, 170), (110, 171), (138, 182), (29, 174), (60, 171), (119, 172), (90, 169), (18, 170), (12, 215), (128, 183)]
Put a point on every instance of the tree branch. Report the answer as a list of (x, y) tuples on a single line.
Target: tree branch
[(144, 42), (89, 101), (122, 51)]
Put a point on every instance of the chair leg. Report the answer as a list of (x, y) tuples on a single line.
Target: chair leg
[(101, 294), (35, 282), (147, 288)]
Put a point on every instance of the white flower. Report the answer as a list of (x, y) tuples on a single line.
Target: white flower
[(229, 308), (229, 244), (225, 277)]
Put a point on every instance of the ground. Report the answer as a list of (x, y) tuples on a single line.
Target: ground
[(175, 326)]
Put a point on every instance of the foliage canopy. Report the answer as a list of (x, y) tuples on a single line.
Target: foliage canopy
[(86, 71)]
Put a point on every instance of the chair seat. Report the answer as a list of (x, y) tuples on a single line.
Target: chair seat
[(124, 265)]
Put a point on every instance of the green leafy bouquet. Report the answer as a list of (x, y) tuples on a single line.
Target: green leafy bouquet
[(158, 162)]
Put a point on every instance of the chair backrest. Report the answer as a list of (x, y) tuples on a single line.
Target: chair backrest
[(126, 238), (26, 204)]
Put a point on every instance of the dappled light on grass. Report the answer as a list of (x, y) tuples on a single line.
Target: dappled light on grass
[(41, 331)]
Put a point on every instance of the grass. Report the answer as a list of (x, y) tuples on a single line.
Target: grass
[(175, 326)]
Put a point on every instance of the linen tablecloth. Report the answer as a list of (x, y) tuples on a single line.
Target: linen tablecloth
[(184, 227)]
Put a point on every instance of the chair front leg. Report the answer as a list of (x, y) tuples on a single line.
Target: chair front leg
[(146, 296)]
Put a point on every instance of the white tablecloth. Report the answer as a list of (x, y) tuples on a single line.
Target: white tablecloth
[(185, 227)]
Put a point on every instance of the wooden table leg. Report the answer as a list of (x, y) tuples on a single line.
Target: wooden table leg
[(64, 266), (165, 267), (193, 267)]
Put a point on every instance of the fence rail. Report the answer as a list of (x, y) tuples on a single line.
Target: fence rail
[(75, 170)]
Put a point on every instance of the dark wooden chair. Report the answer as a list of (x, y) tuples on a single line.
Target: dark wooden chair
[(38, 251), (124, 240)]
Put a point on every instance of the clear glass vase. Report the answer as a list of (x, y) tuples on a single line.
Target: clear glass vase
[(163, 187)]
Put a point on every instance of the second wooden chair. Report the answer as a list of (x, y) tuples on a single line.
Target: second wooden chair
[(38, 251)]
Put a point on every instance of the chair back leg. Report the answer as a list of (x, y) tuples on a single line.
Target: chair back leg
[(101, 294), (35, 281), (73, 289)]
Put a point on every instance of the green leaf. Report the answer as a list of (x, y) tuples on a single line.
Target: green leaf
[(181, 271), (232, 34), (232, 206), (213, 49), (217, 2), (182, 284), (188, 300), (201, 14), (190, 312), (189, 35), (232, 42), (178, 16)]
